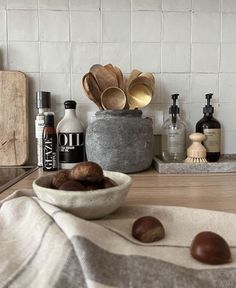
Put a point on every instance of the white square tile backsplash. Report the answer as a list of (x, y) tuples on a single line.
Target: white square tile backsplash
[(206, 5), (176, 26), (115, 5), (228, 58), (23, 56), (146, 5), (21, 4), (206, 27), (146, 57), (228, 27), (57, 5), (84, 5), (85, 26), (113, 23), (189, 45), (56, 30), (3, 31), (22, 25), (146, 26), (55, 57), (175, 57), (205, 57), (177, 5)]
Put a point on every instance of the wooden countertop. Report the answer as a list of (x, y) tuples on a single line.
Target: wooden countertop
[(208, 191)]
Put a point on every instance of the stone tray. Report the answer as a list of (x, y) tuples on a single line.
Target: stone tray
[(226, 164)]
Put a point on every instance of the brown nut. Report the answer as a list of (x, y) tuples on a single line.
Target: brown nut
[(59, 178), (71, 185), (87, 171), (148, 229), (209, 247), (91, 185), (108, 183)]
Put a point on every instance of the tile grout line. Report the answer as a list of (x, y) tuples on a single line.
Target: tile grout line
[(71, 52), (7, 40), (101, 33), (220, 50), (131, 36)]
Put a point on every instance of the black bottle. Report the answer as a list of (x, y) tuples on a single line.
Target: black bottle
[(209, 126), (49, 143)]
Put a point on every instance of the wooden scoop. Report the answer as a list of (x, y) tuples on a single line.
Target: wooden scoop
[(103, 77), (120, 78), (142, 80), (91, 89), (149, 76), (113, 98), (139, 96), (133, 75)]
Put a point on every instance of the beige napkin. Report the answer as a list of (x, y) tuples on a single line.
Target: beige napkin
[(42, 246)]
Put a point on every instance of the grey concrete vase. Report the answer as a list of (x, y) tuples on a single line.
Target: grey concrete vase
[(120, 140)]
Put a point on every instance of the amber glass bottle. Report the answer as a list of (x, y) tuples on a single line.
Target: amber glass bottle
[(209, 126), (49, 143)]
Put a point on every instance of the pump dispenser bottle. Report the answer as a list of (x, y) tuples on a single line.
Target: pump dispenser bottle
[(209, 126), (173, 139)]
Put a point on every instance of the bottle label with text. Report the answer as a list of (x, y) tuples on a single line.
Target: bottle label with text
[(71, 147), (49, 153), (212, 142), (176, 141)]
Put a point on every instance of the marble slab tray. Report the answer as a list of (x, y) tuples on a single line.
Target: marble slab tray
[(226, 164)]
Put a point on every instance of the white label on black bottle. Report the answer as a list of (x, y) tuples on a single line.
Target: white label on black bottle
[(49, 154), (71, 147), (212, 142)]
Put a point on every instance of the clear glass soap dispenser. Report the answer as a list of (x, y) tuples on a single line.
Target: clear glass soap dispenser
[(173, 138)]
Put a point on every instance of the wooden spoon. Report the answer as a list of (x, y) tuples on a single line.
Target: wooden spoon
[(120, 77), (143, 81), (134, 74), (113, 98), (91, 89), (103, 77), (149, 76), (139, 95)]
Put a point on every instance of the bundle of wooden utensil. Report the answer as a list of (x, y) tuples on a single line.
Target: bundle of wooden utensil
[(107, 87)]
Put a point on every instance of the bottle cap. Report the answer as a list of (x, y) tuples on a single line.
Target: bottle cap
[(208, 109), (49, 119), (43, 99), (70, 104)]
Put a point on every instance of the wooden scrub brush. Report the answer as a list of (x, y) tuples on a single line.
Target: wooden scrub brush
[(196, 153)]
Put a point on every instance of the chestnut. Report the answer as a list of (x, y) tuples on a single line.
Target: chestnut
[(87, 171), (148, 229), (91, 185), (108, 183), (209, 247), (72, 185), (59, 178)]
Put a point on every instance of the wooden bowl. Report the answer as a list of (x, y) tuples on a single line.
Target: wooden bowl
[(113, 98), (139, 95)]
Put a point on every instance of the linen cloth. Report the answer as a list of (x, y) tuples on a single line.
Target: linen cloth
[(43, 246)]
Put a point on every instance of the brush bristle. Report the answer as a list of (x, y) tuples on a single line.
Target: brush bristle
[(195, 160)]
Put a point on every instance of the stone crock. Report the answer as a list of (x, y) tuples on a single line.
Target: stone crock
[(120, 140)]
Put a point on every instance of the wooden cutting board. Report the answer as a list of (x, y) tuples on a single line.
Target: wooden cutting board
[(13, 118)]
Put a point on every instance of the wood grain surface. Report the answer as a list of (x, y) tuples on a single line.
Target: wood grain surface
[(13, 118), (206, 191)]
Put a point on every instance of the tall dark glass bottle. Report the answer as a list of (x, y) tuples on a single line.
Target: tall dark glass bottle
[(209, 126), (49, 143)]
